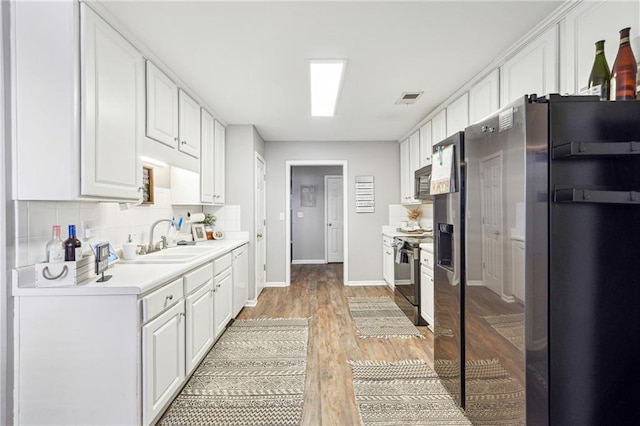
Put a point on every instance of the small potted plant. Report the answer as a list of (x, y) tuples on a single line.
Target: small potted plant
[(209, 222), (413, 216)]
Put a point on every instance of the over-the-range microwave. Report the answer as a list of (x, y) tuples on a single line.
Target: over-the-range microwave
[(422, 187)]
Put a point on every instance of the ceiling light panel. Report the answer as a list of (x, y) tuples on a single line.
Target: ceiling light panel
[(326, 80)]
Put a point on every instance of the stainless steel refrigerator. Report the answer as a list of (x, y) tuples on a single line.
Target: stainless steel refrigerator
[(552, 291), (449, 276)]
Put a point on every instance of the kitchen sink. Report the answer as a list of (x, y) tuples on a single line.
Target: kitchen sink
[(179, 254)]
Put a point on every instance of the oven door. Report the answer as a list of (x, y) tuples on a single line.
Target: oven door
[(422, 187)]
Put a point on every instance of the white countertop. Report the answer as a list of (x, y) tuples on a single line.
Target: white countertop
[(392, 231), (127, 278)]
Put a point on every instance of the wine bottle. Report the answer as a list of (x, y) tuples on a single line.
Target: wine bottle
[(72, 246), (600, 77), (625, 69), (55, 247)]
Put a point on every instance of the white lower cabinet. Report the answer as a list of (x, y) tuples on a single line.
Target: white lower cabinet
[(240, 278), (163, 360), (199, 325), (427, 298), (223, 300), (387, 260)]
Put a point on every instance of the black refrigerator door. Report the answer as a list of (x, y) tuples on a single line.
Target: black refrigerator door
[(594, 290), (448, 219)]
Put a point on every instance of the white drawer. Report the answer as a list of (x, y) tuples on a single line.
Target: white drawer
[(155, 303), (387, 241), (221, 263), (426, 259), (427, 271), (198, 277)]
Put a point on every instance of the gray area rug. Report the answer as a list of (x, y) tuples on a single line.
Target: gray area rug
[(254, 375), (405, 393), (511, 327), (493, 397), (380, 317)]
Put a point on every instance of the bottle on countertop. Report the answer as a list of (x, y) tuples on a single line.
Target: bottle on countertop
[(600, 77), (625, 70), (72, 246), (55, 246)]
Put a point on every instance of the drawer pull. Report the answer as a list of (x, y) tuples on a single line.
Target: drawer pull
[(170, 297), (47, 276)]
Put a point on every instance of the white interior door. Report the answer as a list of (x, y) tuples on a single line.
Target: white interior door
[(261, 220), (491, 199), (335, 221)]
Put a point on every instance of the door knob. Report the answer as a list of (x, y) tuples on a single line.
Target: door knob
[(496, 233), (259, 235), (329, 224)]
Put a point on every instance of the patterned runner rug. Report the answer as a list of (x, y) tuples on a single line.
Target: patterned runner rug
[(380, 317), (511, 327), (493, 397), (405, 393), (254, 375)]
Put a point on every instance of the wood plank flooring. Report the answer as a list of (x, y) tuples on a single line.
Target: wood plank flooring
[(317, 293)]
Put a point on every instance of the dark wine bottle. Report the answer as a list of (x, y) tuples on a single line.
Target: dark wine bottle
[(72, 246), (625, 70), (600, 77)]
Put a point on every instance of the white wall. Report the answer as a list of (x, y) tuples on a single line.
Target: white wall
[(380, 159), (308, 232), (6, 225)]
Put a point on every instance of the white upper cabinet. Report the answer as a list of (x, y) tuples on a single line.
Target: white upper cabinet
[(426, 143), (404, 166), (162, 107), (439, 127), (113, 111), (188, 125), (532, 70), (207, 139), (219, 164), (484, 97), (62, 157), (409, 162), (458, 115), (583, 27)]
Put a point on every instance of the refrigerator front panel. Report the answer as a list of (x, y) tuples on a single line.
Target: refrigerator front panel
[(495, 293), (448, 219), (594, 290)]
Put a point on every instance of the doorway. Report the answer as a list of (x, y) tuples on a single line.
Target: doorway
[(491, 205), (316, 213)]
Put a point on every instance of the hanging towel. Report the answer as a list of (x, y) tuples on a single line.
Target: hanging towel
[(400, 256)]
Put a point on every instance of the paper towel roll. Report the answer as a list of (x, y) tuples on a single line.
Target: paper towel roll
[(195, 217)]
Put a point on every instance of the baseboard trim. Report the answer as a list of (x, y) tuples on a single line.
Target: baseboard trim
[(363, 283), (251, 303), (309, 262), (276, 284), (474, 283)]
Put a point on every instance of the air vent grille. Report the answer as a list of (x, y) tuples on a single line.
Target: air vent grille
[(409, 98)]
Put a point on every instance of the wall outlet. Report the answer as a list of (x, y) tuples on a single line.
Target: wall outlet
[(281, 216)]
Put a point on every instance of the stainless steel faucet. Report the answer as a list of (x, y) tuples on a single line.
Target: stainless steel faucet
[(153, 226)]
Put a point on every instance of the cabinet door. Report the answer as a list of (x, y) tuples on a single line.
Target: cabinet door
[(439, 126), (163, 363), (404, 166), (223, 300), (219, 164), (533, 70), (426, 295), (484, 97), (385, 265), (199, 325), (162, 107), (188, 125), (426, 145), (458, 115), (582, 27), (207, 158), (240, 278), (112, 117), (414, 164)]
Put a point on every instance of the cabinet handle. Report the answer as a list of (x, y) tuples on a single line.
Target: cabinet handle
[(184, 142), (175, 139), (170, 297)]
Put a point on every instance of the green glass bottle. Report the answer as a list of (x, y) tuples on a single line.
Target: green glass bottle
[(600, 77)]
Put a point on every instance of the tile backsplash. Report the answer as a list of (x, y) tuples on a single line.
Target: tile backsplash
[(106, 222), (398, 214)]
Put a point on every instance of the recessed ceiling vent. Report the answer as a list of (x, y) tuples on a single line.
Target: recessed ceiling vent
[(409, 98)]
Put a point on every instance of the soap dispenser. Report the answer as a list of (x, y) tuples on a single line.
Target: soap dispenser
[(129, 249)]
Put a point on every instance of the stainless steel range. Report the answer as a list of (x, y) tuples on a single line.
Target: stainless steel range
[(407, 275)]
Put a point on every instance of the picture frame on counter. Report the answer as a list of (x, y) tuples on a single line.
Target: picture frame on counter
[(198, 232)]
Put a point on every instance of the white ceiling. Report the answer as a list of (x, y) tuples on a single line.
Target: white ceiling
[(248, 60)]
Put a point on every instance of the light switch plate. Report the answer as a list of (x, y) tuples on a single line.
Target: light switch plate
[(300, 214), (281, 216)]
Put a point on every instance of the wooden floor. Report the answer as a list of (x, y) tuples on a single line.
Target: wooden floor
[(317, 293)]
